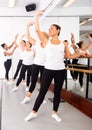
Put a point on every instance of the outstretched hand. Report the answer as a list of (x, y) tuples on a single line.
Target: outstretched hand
[(30, 24), (40, 12), (72, 35)]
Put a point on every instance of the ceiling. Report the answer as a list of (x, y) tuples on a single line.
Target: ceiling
[(81, 8)]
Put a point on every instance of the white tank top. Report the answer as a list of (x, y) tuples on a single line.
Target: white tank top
[(83, 61), (40, 55), (55, 56), (7, 57), (28, 57)]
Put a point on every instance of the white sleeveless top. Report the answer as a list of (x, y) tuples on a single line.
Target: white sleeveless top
[(28, 57), (55, 56), (40, 55), (83, 61), (7, 57)]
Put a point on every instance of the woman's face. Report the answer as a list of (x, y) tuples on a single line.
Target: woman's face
[(5, 47), (28, 44), (53, 31), (84, 45)]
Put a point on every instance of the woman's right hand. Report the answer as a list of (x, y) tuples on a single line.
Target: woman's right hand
[(40, 12), (30, 24)]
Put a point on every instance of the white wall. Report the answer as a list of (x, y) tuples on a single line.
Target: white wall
[(10, 26)]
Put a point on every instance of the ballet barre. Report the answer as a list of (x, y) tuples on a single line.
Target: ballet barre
[(78, 65), (88, 71), (80, 70)]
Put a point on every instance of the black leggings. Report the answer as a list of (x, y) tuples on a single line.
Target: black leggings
[(35, 71), (7, 65), (48, 75), (25, 68), (66, 64), (19, 65), (81, 74), (74, 61)]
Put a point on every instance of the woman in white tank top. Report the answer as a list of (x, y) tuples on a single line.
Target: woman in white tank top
[(38, 64), (8, 52), (19, 65), (54, 69), (83, 62), (28, 57)]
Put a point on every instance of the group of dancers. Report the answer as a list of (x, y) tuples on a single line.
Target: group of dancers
[(47, 58)]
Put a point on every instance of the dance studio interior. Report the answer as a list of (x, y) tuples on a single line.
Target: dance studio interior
[(57, 82)]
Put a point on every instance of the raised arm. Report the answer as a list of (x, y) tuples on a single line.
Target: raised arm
[(22, 43), (30, 39), (10, 53), (77, 54), (73, 42), (14, 42), (90, 41), (43, 36), (10, 46)]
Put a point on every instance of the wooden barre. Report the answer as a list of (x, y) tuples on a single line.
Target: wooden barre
[(87, 56), (80, 65), (80, 70)]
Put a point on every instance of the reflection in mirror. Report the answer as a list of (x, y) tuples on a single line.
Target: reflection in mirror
[(84, 71)]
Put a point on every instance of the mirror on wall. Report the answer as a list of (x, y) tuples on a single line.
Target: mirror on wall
[(85, 74)]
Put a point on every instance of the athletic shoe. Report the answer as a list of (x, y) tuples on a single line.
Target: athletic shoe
[(82, 89), (56, 117), (44, 102), (31, 116), (14, 89), (26, 100), (8, 82), (27, 89)]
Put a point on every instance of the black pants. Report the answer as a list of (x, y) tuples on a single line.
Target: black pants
[(24, 69), (81, 74), (7, 65), (35, 71), (90, 77), (19, 65), (75, 73), (48, 75), (67, 61)]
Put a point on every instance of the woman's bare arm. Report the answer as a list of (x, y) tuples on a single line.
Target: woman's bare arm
[(43, 36), (30, 39)]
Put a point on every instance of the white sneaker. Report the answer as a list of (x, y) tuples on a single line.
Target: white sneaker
[(82, 89), (44, 102), (27, 89), (56, 117), (8, 82), (31, 116), (26, 100), (14, 89), (23, 82)]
